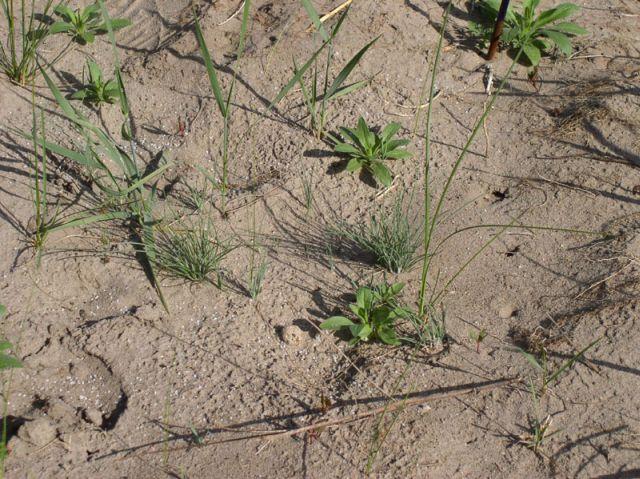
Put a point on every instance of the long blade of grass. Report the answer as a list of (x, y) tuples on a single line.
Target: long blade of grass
[(315, 18), (346, 71), (297, 76), (243, 28), (427, 161), (211, 70)]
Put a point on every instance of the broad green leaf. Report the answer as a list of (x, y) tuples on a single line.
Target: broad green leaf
[(560, 39), (65, 11), (389, 131), (563, 10), (396, 288), (569, 28), (398, 154), (60, 27), (336, 322), (354, 164), (363, 331), (388, 336), (364, 297), (381, 172), (116, 24), (346, 148), (532, 53)]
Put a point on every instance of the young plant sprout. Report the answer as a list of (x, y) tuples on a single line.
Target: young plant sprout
[(369, 150)]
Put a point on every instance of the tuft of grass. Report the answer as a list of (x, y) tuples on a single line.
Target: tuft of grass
[(18, 56), (429, 332), (192, 253), (258, 263), (392, 236)]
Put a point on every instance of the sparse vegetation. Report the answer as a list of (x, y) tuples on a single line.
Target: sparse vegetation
[(535, 34)]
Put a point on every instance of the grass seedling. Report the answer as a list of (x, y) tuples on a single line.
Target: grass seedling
[(97, 90), (307, 189), (376, 311), (535, 34), (258, 263), (428, 333), (18, 56), (44, 222), (548, 373), (392, 236), (539, 429), (369, 150), (82, 25), (321, 92), (224, 102), (190, 253)]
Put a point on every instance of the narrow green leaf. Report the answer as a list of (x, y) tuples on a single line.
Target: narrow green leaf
[(315, 19), (346, 71), (211, 71)]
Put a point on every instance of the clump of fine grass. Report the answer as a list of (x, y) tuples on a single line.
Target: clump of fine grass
[(190, 253), (391, 236), (26, 32)]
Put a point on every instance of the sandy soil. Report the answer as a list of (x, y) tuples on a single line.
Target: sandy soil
[(113, 385)]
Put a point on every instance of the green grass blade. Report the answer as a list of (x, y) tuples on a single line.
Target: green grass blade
[(346, 71), (211, 71), (243, 28), (315, 19)]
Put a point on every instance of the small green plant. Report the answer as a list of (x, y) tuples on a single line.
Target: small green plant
[(321, 91), (191, 253), (224, 102), (376, 310), (257, 273), (97, 90), (392, 236), (84, 24), (258, 263), (548, 373), (539, 429), (44, 221), (524, 29), (478, 337), (307, 189), (19, 54), (429, 331), (6, 361), (369, 150)]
